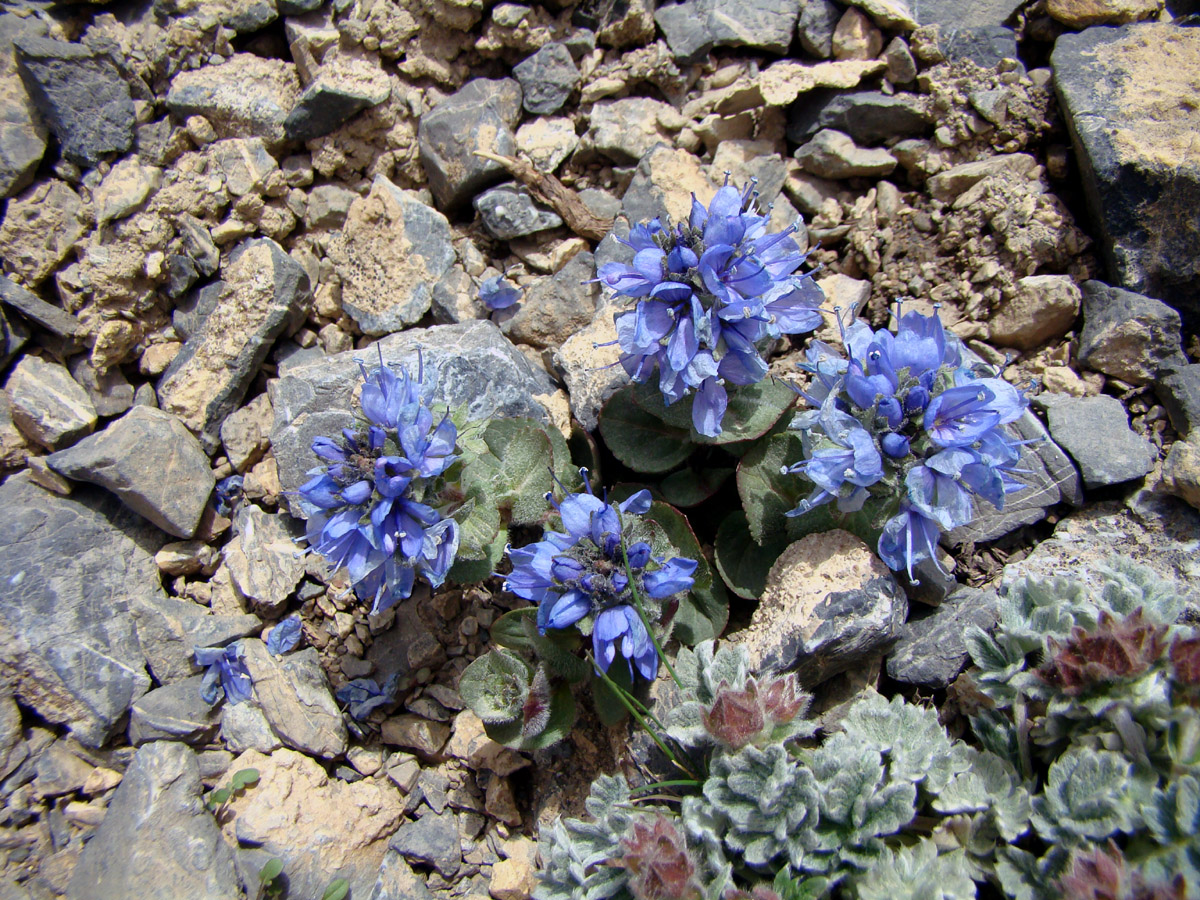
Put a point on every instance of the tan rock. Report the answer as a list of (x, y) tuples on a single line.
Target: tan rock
[(894, 14), (124, 189), (786, 80), (470, 743), (849, 295), (515, 877), (953, 182), (246, 433), (157, 357), (500, 802), (1181, 472), (855, 37), (425, 737), (48, 405), (547, 141), (1042, 309), (40, 228), (1083, 13)]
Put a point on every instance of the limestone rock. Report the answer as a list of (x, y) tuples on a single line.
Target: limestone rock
[(1179, 392), (784, 81), (245, 96), (625, 130), (1181, 472), (244, 162), (1095, 431), (397, 881), (694, 27), (555, 307), (1128, 336), (894, 14), (952, 14), (246, 434), (855, 37), (344, 86), (832, 154), (509, 211), (263, 559), (240, 15), (47, 315), (547, 79), (1083, 13), (294, 696), (1043, 309), (818, 19), (174, 712), (40, 228), (957, 180), (547, 141), (47, 404), (244, 727), (22, 136)]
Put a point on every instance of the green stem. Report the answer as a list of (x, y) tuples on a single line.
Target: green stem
[(682, 782), (626, 699), (637, 602)]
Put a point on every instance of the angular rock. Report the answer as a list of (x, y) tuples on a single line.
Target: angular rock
[(901, 67), (954, 14), (262, 292), (869, 117), (1043, 308), (818, 19), (829, 604), (124, 189), (547, 141), (832, 154), (625, 130), (784, 81), (244, 162), (1181, 472), (40, 228), (37, 310), (110, 392), (855, 37), (245, 96), (321, 828), (423, 736), (244, 727), (198, 243), (931, 651), (174, 712), (1179, 393), (952, 182), (554, 307), (391, 253), (59, 771), (294, 696), (431, 840), (472, 364), (22, 135), (397, 881), (13, 336), (547, 79), (246, 434), (1095, 431), (12, 747), (240, 15), (1082, 13), (1128, 336), (48, 405), (82, 97), (694, 27), (895, 14), (755, 161), (344, 86), (1126, 95), (157, 838), (662, 185), (149, 460), (509, 211), (263, 560), (328, 206), (480, 116), (984, 45)]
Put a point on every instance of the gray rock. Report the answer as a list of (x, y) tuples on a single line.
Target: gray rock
[(149, 460), (339, 93), (59, 771), (818, 19), (547, 79), (23, 137), (931, 651), (397, 881), (901, 67), (240, 15), (244, 162), (1179, 393), (69, 648), (685, 28), (244, 727), (431, 840), (984, 45), (626, 130), (174, 712), (53, 318), (181, 275), (263, 291), (479, 116), (48, 405), (694, 27), (1128, 336), (833, 154), (954, 14), (169, 630), (198, 243), (328, 206), (110, 391), (245, 96), (82, 97), (157, 838), (1095, 431), (509, 211), (263, 560), (12, 748), (1138, 167), (472, 364), (869, 117), (294, 697), (391, 254), (13, 336), (555, 306)]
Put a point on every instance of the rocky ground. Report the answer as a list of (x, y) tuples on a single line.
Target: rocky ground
[(210, 207)]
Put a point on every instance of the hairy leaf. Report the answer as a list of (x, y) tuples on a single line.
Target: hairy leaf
[(641, 440), (1089, 794), (744, 564), (496, 685)]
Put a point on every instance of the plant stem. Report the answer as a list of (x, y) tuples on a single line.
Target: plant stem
[(682, 782), (625, 699)]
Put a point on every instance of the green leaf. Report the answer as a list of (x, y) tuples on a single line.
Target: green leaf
[(526, 457), (753, 409), (479, 525), (471, 571), (564, 466), (271, 870), (640, 440), (811, 888), (691, 487), (703, 612), (557, 650), (558, 726), (512, 630), (244, 778), (337, 890), (1089, 794), (584, 452), (744, 564), (220, 795), (609, 708), (767, 494), (495, 686)]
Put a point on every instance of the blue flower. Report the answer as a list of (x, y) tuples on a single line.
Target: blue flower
[(284, 636), (844, 470), (498, 293), (587, 575), (908, 538), (364, 695), (375, 510), (226, 673), (711, 291)]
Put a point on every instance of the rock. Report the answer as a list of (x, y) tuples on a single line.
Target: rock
[(855, 37), (784, 81), (244, 162), (245, 96), (174, 712), (244, 727), (472, 364), (616, 24), (82, 97), (246, 434), (694, 27), (470, 743), (931, 651), (263, 559), (198, 243), (321, 828), (818, 19), (294, 696), (901, 67), (832, 154), (480, 116), (547, 79), (186, 558), (547, 141), (1095, 431), (555, 307), (1083, 13), (748, 161), (509, 211), (110, 392), (48, 405), (240, 15), (894, 14), (662, 185), (344, 86), (985, 45), (328, 206), (59, 771), (951, 183), (157, 838), (149, 460), (40, 228), (431, 840), (829, 603), (124, 189), (953, 14), (1042, 309), (1128, 336), (515, 876), (625, 130), (13, 749), (23, 137), (262, 292), (397, 881), (869, 117), (391, 254), (424, 737), (1126, 96), (1181, 472), (1179, 393), (13, 336)]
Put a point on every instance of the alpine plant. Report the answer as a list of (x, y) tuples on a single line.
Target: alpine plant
[(903, 423), (377, 500), (709, 293), (594, 574)]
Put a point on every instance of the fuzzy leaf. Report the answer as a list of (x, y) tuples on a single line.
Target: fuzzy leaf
[(917, 873), (513, 629), (1173, 819), (469, 571), (244, 778), (553, 726), (558, 653), (910, 738), (1089, 794), (811, 888), (691, 487), (767, 494), (640, 440), (704, 611), (752, 411), (1025, 877), (524, 477), (988, 783), (479, 526), (744, 564), (495, 686), (609, 708)]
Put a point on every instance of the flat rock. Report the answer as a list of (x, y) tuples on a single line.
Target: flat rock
[(472, 364), (547, 141), (829, 603), (423, 736), (13, 336), (1083, 13), (784, 81), (157, 838), (1127, 335), (40, 228), (263, 560), (397, 881), (174, 712), (344, 86), (555, 307), (957, 180), (59, 771), (124, 189), (696, 26), (328, 206), (48, 405), (109, 390), (1096, 432), (246, 434), (815, 27), (244, 162), (240, 15), (391, 253), (954, 14), (149, 460), (547, 79), (895, 14), (1126, 95), (625, 130), (869, 117), (1179, 393), (930, 651), (832, 154), (82, 97), (244, 727), (262, 292), (984, 45), (245, 96), (1041, 309), (294, 696), (480, 116), (431, 840), (509, 211), (47, 315), (321, 828), (23, 136)]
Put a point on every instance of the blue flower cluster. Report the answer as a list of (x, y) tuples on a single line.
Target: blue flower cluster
[(372, 512), (580, 577), (226, 672), (903, 418), (709, 292)]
